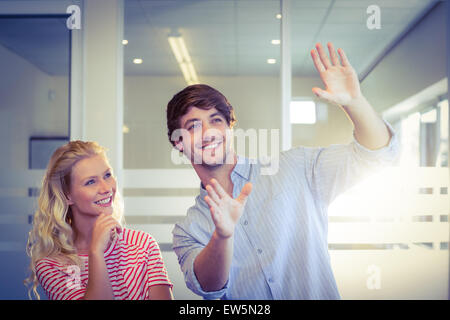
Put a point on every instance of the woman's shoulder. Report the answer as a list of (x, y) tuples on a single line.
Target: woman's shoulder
[(137, 238), (52, 264)]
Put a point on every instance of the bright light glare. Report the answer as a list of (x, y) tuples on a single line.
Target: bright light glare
[(429, 117), (303, 112)]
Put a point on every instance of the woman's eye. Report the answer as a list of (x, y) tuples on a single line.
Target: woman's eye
[(108, 175), (89, 182)]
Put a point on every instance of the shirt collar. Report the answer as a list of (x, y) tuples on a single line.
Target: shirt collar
[(242, 169)]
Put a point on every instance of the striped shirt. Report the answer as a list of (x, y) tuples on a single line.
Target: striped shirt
[(134, 264), (281, 240)]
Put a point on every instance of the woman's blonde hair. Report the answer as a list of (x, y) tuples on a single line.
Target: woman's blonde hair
[(52, 235)]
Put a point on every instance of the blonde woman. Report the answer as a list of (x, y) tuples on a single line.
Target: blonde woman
[(78, 247)]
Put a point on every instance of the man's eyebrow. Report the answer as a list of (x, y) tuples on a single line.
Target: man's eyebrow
[(216, 114), (190, 120), (95, 176)]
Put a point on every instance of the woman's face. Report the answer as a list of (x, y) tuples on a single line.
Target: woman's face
[(92, 187)]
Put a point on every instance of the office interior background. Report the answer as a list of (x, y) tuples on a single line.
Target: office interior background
[(107, 71)]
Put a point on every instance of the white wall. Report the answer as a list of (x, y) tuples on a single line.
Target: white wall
[(26, 109), (256, 102)]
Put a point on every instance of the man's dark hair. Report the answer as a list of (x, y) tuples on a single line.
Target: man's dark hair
[(201, 96)]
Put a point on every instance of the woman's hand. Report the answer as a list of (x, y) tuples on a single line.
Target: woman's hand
[(105, 226), (225, 211), (340, 79)]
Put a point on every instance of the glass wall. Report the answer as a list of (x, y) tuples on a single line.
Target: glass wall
[(232, 46), (34, 116), (397, 219)]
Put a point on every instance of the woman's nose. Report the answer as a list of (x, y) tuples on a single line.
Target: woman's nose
[(104, 187)]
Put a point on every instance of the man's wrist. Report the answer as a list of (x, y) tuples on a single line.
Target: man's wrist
[(359, 102), (216, 236)]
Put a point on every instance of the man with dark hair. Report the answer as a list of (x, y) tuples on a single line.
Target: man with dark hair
[(255, 236)]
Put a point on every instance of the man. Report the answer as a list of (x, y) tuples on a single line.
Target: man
[(254, 236)]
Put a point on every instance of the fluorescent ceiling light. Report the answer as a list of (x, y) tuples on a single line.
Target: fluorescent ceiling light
[(278, 16), (303, 112), (276, 41), (137, 61), (183, 58), (271, 61), (124, 42)]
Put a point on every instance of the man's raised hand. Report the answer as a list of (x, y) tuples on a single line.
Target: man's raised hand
[(340, 79), (225, 211)]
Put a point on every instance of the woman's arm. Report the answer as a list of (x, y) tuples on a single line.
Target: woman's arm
[(160, 292), (99, 286)]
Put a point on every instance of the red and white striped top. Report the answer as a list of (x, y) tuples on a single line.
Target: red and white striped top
[(134, 264)]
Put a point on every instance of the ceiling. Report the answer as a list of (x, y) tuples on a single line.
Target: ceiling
[(226, 37), (43, 41)]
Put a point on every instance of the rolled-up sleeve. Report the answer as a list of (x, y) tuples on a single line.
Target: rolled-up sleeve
[(189, 238), (334, 169)]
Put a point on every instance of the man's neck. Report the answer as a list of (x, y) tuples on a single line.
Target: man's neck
[(221, 173)]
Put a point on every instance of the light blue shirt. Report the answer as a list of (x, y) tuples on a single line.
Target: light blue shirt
[(280, 242)]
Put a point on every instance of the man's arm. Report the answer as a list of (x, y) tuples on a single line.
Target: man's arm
[(342, 88), (212, 264)]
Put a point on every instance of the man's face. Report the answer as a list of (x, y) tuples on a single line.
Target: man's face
[(204, 137)]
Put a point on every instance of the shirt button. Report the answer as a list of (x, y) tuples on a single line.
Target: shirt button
[(259, 251), (245, 222), (271, 280)]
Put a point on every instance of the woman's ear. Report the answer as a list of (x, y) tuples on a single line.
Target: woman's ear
[(69, 201)]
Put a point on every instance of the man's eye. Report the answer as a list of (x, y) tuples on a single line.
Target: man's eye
[(195, 125), (218, 120)]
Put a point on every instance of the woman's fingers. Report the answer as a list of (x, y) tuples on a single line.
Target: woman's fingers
[(107, 221)]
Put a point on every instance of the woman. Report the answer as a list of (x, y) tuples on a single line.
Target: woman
[(77, 235)]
